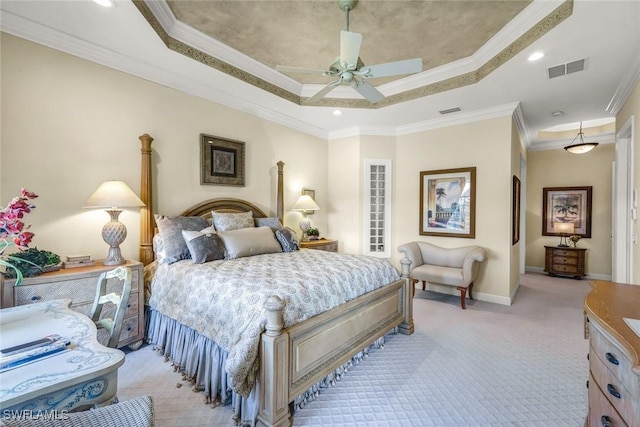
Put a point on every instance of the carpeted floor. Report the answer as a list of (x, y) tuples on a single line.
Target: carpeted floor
[(489, 365)]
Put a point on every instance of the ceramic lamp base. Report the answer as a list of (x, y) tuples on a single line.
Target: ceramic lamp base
[(113, 233)]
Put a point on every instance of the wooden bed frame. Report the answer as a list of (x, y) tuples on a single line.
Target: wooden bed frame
[(296, 358)]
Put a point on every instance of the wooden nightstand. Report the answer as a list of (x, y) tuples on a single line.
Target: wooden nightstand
[(323, 244), (565, 261), (79, 285)]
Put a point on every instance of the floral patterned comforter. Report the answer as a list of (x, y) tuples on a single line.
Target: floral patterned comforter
[(224, 300)]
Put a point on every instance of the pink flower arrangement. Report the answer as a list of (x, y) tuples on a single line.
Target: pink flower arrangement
[(13, 232)]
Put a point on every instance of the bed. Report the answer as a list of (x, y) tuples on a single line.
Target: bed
[(293, 352)]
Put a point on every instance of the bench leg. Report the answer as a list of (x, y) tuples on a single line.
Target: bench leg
[(424, 285), (463, 294), (470, 288)]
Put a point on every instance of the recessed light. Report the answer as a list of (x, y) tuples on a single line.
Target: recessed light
[(337, 112), (535, 56), (557, 113), (105, 3)]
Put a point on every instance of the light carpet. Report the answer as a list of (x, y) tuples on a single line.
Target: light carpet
[(489, 365)]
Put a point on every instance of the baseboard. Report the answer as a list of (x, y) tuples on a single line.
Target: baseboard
[(480, 296), (595, 276)]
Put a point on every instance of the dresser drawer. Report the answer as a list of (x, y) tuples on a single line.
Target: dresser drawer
[(130, 328), (565, 268), (565, 260), (564, 253), (108, 310), (611, 357), (600, 407), (612, 388), (78, 290)]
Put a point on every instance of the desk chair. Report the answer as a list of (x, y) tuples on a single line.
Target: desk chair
[(112, 325)]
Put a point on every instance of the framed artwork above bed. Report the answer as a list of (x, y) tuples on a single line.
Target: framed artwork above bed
[(221, 161)]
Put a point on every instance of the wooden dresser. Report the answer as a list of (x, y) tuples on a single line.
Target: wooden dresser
[(323, 244), (614, 355), (565, 261), (79, 285)]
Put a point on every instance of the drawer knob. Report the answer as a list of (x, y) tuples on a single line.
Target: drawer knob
[(612, 391), (128, 328), (128, 305), (612, 359), (35, 298), (606, 421)]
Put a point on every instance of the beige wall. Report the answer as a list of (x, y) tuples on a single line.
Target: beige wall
[(487, 146), (558, 168), (632, 109), (70, 124)]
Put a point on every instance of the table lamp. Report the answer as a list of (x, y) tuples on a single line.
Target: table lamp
[(564, 229), (113, 195), (307, 206)]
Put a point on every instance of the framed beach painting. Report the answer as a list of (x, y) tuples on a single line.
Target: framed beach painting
[(448, 202), (566, 205), (221, 161)]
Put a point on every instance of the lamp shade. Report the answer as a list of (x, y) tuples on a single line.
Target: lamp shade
[(113, 194), (580, 147), (563, 227), (305, 203)]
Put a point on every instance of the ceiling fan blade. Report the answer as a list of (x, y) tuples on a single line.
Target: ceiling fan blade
[(408, 66), (325, 90), (285, 69), (349, 49), (369, 92)]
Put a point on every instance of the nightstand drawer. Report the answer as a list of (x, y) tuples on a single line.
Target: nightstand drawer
[(565, 268), (328, 245), (565, 260), (564, 253)]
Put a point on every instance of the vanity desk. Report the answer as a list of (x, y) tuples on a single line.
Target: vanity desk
[(614, 354)]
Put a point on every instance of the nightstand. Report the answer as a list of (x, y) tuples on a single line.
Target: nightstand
[(79, 285), (323, 244)]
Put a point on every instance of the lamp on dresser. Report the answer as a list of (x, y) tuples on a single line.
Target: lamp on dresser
[(565, 229), (114, 195), (307, 206)]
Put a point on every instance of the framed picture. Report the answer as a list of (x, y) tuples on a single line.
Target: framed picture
[(448, 203), (221, 161), (566, 205), (515, 221)]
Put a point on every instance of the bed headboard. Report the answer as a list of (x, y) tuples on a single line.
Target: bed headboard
[(147, 222)]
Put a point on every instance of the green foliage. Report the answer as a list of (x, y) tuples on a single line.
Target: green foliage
[(313, 232), (31, 261)]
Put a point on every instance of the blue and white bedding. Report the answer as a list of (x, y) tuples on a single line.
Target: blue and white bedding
[(224, 300)]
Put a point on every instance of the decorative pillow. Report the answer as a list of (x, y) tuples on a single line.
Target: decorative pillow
[(288, 239), (274, 223), (227, 221), (158, 248), (249, 241), (204, 245), (175, 248)]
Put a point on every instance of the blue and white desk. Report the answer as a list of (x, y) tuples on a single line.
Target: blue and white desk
[(85, 374)]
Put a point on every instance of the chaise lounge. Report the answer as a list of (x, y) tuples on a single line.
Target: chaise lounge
[(447, 266)]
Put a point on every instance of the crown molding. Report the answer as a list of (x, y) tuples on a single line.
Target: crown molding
[(625, 88), (523, 131)]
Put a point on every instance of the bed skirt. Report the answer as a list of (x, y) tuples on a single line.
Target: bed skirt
[(201, 362)]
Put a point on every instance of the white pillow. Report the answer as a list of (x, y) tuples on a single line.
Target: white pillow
[(249, 241)]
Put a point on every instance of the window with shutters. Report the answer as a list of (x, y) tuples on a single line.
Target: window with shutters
[(377, 207)]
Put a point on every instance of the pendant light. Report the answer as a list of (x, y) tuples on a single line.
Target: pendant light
[(581, 147)]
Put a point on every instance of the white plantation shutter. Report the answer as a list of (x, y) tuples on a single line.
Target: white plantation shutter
[(377, 207)]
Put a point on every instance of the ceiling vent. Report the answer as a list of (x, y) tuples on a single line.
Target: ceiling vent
[(568, 68), (450, 110)]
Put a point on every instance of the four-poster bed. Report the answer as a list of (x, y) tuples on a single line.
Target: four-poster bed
[(291, 358)]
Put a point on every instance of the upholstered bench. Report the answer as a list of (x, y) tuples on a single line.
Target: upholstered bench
[(447, 266)]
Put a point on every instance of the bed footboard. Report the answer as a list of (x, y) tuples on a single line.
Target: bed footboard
[(294, 359)]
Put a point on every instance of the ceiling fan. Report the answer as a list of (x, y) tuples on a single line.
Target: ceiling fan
[(350, 69)]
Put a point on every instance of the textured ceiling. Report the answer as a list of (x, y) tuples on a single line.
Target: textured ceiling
[(306, 33)]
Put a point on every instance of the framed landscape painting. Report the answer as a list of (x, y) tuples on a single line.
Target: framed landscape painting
[(567, 205), (221, 161), (448, 202)]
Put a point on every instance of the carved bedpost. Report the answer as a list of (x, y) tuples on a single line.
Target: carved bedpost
[(146, 212), (274, 368), (407, 326), (280, 195)]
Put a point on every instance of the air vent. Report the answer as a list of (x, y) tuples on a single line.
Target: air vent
[(561, 70), (450, 110)]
